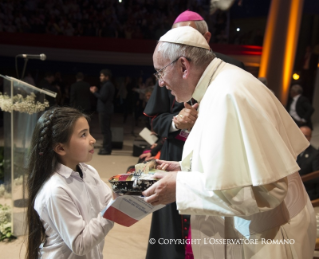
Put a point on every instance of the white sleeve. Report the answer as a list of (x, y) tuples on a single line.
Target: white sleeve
[(192, 198), (173, 127), (79, 236), (103, 190)]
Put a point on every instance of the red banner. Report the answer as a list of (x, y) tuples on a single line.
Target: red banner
[(108, 44)]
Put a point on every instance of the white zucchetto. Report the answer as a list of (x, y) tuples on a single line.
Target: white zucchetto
[(185, 35)]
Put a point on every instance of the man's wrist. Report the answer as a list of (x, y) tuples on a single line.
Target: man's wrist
[(173, 127)]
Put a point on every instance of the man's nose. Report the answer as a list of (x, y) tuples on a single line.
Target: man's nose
[(161, 83)]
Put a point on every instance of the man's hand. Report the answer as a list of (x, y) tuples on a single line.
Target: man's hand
[(154, 145), (93, 89), (168, 165), (186, 117), (163, 191), (147, 156)]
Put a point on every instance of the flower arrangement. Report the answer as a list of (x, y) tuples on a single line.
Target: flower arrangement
[(22, 104), (5, 224)]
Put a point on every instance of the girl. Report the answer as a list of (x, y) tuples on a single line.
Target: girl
[(65, 195)]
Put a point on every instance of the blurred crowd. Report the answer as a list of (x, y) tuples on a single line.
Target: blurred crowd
[(128, 19)]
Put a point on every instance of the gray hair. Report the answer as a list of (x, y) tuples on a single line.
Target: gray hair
[(199, 56), (201, 26), (297, 89)]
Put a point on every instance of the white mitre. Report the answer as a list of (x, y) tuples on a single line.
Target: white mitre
[(185, 35)]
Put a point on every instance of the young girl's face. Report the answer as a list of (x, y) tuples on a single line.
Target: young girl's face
[(81, 145)]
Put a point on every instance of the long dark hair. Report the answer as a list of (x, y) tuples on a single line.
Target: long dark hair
[(54, 126)]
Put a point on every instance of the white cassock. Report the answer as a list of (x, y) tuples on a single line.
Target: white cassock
[(239, 179)]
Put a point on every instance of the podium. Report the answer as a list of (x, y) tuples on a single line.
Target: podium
[(22, 104)]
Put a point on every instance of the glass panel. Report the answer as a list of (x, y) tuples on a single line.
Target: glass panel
[(22, 104)]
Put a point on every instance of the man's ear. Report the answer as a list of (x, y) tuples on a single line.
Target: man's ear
[(185, 65), (207, 35), (59, 149)]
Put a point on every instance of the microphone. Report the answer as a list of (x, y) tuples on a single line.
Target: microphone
[(31, 56)]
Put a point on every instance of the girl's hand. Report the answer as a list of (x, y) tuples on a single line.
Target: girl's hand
[(168, 165), (114, 195)]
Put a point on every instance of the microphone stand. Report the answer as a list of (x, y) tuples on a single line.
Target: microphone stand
[(24, 67), (22, 203)]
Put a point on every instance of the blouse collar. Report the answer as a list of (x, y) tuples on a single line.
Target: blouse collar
[(66, 171)]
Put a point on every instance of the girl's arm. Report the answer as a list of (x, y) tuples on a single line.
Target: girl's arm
[(79, 236)]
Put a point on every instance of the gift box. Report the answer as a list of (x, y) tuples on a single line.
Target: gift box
[(136, 181)]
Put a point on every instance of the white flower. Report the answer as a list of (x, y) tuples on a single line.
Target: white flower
[(22, 104)]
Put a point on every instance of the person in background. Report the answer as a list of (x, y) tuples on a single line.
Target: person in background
[(128, 102), (121, 95), (105, 109), (61, 86), (80, 94), (29, 79), (151, 153), (47, 83), (299, 107), (308, 162), (308, 68)]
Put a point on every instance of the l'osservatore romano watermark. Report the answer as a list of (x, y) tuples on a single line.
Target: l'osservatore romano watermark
[(220, 241)]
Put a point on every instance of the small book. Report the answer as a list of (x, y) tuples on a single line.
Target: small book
[(126, 210), (147, 135)]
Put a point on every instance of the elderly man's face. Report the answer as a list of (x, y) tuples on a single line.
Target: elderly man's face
[(172, 77)]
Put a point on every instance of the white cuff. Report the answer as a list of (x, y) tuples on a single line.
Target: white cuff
[(173, 127), (185, 201)]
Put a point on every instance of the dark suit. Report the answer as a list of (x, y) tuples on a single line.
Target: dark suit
[(304, 110), (307, 76), (308, 162), (166, 222), (105, 109), (80, 96)]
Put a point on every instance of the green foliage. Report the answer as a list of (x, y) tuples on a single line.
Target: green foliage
[(5, 224)]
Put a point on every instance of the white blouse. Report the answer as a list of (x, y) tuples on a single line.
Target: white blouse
[(69, 208)]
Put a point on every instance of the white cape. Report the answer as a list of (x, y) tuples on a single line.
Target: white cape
[(243, 135)]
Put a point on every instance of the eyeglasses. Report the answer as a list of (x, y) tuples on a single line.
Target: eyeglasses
[(160, 73)]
